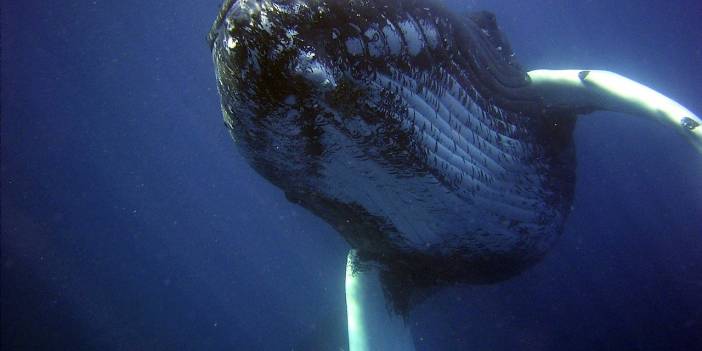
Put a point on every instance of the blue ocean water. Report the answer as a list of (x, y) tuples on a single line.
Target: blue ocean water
[(130, 222)]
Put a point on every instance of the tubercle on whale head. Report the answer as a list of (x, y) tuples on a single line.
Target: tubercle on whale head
[(318, 42), (262, 39), (370, 29), (273, 52), (257, 52)]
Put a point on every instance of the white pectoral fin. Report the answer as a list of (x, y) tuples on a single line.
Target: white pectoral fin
[(605, 90), (372, 323)]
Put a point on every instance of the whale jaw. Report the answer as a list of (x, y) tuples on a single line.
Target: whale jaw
[(404, 127)]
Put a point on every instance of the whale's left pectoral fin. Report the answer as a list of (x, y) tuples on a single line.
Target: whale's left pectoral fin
[(372, 322), (589, 90)]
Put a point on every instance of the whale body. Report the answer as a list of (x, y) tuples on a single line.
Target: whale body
[(408, 129), (416, 134), (413, 131), (404, 128)]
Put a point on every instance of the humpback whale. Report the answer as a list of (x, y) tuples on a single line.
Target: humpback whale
[(416, 134)]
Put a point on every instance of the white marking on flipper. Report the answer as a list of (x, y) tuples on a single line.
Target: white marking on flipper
[(610, 91), (372, 323)]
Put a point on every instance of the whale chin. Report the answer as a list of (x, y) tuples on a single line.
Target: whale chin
[(406, 128), (403, 128)]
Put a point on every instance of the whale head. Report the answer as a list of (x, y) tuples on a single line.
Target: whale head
[(404, 126)]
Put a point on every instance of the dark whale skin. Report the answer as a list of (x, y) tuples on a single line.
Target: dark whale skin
[(409, 129)]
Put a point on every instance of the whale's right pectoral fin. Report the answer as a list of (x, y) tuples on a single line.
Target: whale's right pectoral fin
[(602, 90), (372, 322)]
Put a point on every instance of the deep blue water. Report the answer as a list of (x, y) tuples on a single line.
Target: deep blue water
[(130, 222)]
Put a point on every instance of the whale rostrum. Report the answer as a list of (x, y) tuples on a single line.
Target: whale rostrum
[(415, 133)]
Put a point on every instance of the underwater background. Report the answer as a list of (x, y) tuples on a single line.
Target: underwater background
[(130, 222)]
